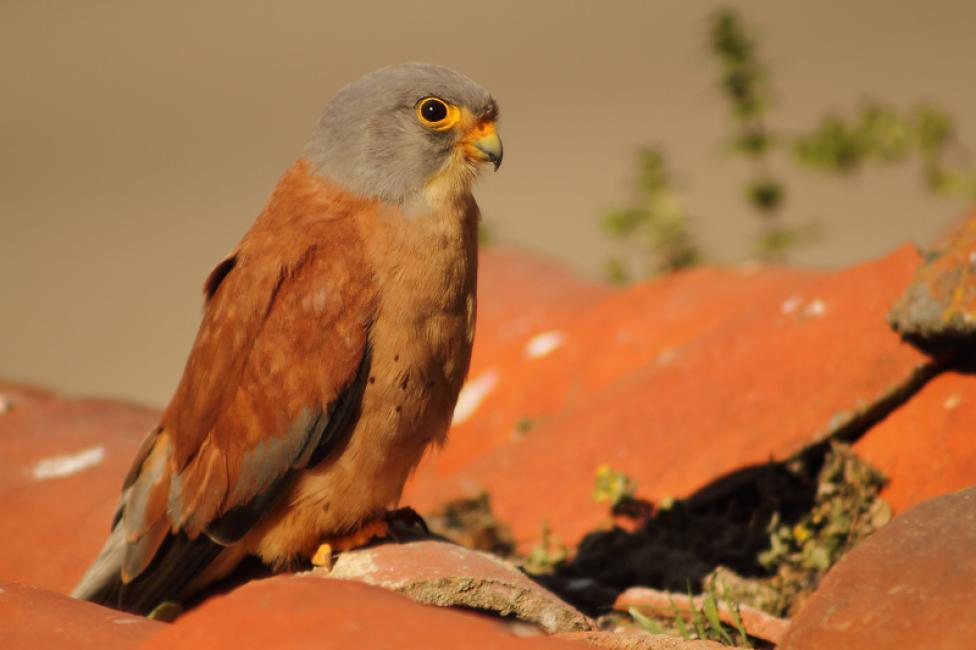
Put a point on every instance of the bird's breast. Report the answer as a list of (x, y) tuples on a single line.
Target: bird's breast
[(420, 338), (414, 274), (424, 329)]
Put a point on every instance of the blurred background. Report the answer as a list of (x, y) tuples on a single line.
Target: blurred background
[(138, 141)]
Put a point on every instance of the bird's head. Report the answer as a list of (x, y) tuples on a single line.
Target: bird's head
[(405, 132)]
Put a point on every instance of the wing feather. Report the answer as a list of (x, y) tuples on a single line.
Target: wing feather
[(272, 384)]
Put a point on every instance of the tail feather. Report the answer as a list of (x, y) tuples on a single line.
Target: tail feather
[(177, 563), (103, 580)]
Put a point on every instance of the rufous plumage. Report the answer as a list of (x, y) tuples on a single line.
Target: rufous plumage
[(334, 342)]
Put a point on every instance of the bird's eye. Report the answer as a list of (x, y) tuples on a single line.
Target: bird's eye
[(437, 114), (433, 110)]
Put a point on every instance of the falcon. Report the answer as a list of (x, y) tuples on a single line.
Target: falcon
[(334, 342)]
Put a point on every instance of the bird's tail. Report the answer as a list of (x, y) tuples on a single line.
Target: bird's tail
[(177, 563), (102, 582)]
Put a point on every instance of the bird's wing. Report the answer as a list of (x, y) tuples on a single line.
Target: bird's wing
[(273, 382)]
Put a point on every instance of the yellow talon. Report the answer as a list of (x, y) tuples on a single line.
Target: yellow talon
[(375, 528), (323, 557)]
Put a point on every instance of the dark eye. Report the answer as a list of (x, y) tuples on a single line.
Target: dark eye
[(436, 114), (433, 110)]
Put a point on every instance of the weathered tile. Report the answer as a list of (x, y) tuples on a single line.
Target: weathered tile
[(38, 619), (927, 447), (447, 575), (306, 611), (940, 304), (61, 468), (908, 586), (785, 359)]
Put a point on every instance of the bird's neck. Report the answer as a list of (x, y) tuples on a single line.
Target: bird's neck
[(440, 223), (445, 228)]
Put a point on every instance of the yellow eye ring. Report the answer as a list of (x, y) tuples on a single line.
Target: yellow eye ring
[(436, 114)]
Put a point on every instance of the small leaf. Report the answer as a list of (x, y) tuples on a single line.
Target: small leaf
[(617, 272), (696, 618), (645, 622), (711, 613), (766, 194), (736, 618), (679, 619)]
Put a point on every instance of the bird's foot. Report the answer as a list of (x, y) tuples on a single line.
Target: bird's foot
[(323, 556), (377, 528), (372, 528)]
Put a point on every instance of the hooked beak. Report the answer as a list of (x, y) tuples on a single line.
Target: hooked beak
[(483, 144)]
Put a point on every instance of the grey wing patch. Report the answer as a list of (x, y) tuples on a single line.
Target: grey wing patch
[(268, 468), (262, 465), (261, 475), (343, 411), (163, 562), (143, 452), (143, 537)]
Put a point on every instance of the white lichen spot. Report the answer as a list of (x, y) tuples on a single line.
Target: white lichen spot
[(795, 305), (126, 621), (60, 466), (816, 308), (790, 305), (473, 394), (952, 401), (542, 344)]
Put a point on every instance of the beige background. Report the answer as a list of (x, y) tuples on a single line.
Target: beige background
[(139, 140)]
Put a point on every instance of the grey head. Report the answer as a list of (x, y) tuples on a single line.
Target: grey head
[(390, 133)]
